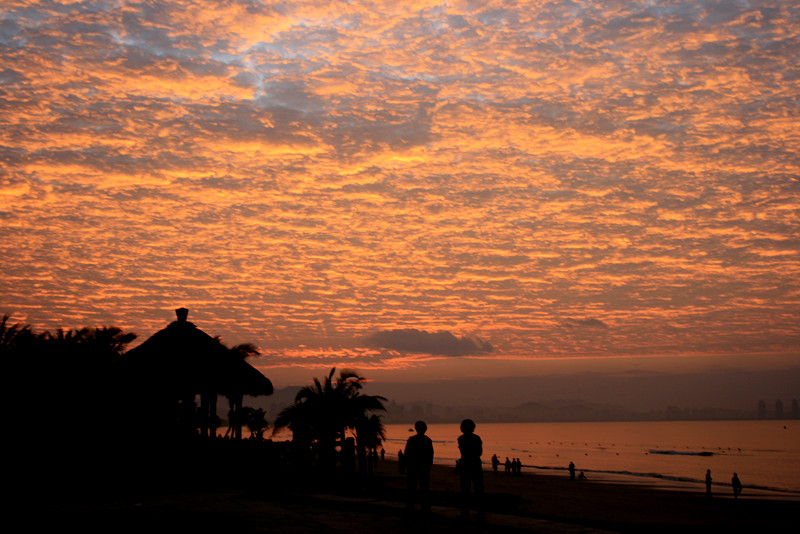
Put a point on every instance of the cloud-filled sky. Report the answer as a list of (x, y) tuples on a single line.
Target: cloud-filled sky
[(380, 185)]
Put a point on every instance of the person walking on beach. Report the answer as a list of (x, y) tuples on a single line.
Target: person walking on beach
[(471, 448), (708, 483), (419, 459), (736, 484)]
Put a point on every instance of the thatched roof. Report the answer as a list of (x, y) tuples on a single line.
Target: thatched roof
[(184, 360)]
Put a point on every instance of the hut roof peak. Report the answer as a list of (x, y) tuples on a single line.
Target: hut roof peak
[(182, 314)]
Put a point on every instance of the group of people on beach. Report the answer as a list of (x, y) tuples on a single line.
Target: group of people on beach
[(418, 460), (512, 467), (571, 469)]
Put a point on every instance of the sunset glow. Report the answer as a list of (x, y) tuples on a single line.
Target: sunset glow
[(382, 185)]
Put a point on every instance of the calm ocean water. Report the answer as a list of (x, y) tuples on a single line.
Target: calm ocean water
[(765, 454)]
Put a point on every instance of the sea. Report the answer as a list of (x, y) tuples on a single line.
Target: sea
[(764, 453)]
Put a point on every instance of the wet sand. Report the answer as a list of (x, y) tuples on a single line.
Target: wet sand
[(525, 503)]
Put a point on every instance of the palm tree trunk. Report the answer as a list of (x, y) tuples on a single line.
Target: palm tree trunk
[(204, 422), (237, 411)]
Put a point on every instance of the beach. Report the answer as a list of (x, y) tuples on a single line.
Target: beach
[(522, 503)]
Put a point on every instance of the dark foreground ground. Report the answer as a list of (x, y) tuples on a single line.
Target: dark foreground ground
[(211, 499)]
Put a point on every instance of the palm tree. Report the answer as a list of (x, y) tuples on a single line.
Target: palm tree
[(12, 336), (322, 413), (24, 378), (93, 350), (84, 372), (312, 419), (256, 421), (236, 416), (74, 369), (107, 341), (369, 433)]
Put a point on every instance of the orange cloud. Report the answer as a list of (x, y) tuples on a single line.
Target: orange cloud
[(302, 175)]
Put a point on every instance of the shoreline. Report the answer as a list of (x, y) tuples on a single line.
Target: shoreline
[(657, 482), (661, 482)]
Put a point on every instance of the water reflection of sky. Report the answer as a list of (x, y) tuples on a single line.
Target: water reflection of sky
[(616, 448)]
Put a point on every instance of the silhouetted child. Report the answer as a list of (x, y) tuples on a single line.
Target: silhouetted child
[(736, 484), (419, 459), (471, 448)]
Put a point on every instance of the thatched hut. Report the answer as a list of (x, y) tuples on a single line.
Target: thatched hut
[(177, 364)]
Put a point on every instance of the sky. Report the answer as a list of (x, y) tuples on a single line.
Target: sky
[(415, 189)]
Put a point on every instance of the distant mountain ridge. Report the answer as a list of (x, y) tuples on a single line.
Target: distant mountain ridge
[(634, 396)]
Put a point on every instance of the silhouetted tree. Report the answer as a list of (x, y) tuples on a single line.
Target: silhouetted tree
[(14, 336), (369, 433), (235, 396), (82, 368), (24, 379), (256, 421), (107, 342), (68, 379), (322, 413)]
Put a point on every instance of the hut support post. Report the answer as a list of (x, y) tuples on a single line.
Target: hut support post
[(208, 415)]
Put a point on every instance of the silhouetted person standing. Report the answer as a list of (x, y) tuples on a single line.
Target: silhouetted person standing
[(736, 484), (471, 448), (495, 463), (571, 471), (708, 483), (419, 459)]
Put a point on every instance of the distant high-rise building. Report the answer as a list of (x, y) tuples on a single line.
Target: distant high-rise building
[(778, 409), (795, 410), (762, 409)]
